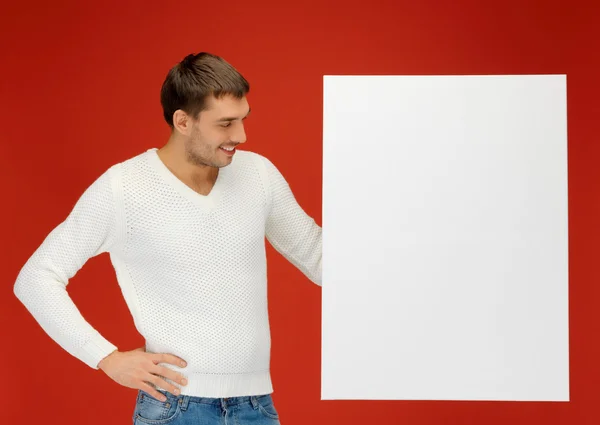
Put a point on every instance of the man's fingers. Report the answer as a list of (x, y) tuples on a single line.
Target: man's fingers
[(159, 382), (168, 358), (150, 390), (168, 373)]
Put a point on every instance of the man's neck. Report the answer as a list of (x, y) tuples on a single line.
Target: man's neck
[(200, 178)]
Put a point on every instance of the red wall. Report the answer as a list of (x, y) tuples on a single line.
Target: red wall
[(80, 91)]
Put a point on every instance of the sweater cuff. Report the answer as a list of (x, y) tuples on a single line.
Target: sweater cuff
[(95, 349)]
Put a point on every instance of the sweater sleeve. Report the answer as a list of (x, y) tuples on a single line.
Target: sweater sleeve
[(291, 231), (88, 230)]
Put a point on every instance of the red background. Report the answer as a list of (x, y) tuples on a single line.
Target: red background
[(80, 91)]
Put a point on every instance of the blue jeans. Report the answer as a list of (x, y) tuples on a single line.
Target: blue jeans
[(188, 410)]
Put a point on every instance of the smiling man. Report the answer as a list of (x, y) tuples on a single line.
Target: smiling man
[(185, 227)]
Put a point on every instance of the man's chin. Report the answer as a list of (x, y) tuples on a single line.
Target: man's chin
[(221, 163)]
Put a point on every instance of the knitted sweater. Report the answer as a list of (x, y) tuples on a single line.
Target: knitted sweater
[(191, 267)]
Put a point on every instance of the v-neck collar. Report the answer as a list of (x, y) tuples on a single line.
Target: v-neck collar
[(206, 201)]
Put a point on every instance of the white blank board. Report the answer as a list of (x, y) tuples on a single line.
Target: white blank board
[(445, 238)]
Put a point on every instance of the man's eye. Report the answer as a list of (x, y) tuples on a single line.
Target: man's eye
[(227, 124)]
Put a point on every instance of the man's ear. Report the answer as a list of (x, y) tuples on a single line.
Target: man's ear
[(182, 122)]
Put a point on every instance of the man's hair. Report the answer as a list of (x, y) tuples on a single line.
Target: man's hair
[(194, 79)]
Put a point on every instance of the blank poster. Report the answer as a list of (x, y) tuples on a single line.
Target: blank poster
[(445, 238)]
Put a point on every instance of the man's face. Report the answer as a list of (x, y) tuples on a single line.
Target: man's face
[(217, 131)]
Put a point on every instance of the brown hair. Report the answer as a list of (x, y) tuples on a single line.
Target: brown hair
[(195, 78)]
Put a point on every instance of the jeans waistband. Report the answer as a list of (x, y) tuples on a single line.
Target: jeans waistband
[(184, 400)]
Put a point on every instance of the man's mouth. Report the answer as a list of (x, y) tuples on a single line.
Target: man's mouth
[(229, 150)]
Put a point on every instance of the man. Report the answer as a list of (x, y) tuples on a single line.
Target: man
[(185, 227)]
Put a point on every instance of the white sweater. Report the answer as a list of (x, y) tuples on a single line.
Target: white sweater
[(192, 268)]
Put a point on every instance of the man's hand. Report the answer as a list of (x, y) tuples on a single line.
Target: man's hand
[(134, 369)]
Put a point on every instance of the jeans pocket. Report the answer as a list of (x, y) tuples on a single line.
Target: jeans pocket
[(267, 407), (149, 410)]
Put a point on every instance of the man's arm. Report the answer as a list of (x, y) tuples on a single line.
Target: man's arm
[(291, 231), (41, 284)]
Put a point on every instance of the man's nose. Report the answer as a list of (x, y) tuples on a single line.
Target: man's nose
[(240, 134)]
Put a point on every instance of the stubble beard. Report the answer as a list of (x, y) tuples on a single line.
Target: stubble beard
[(199, 153)]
